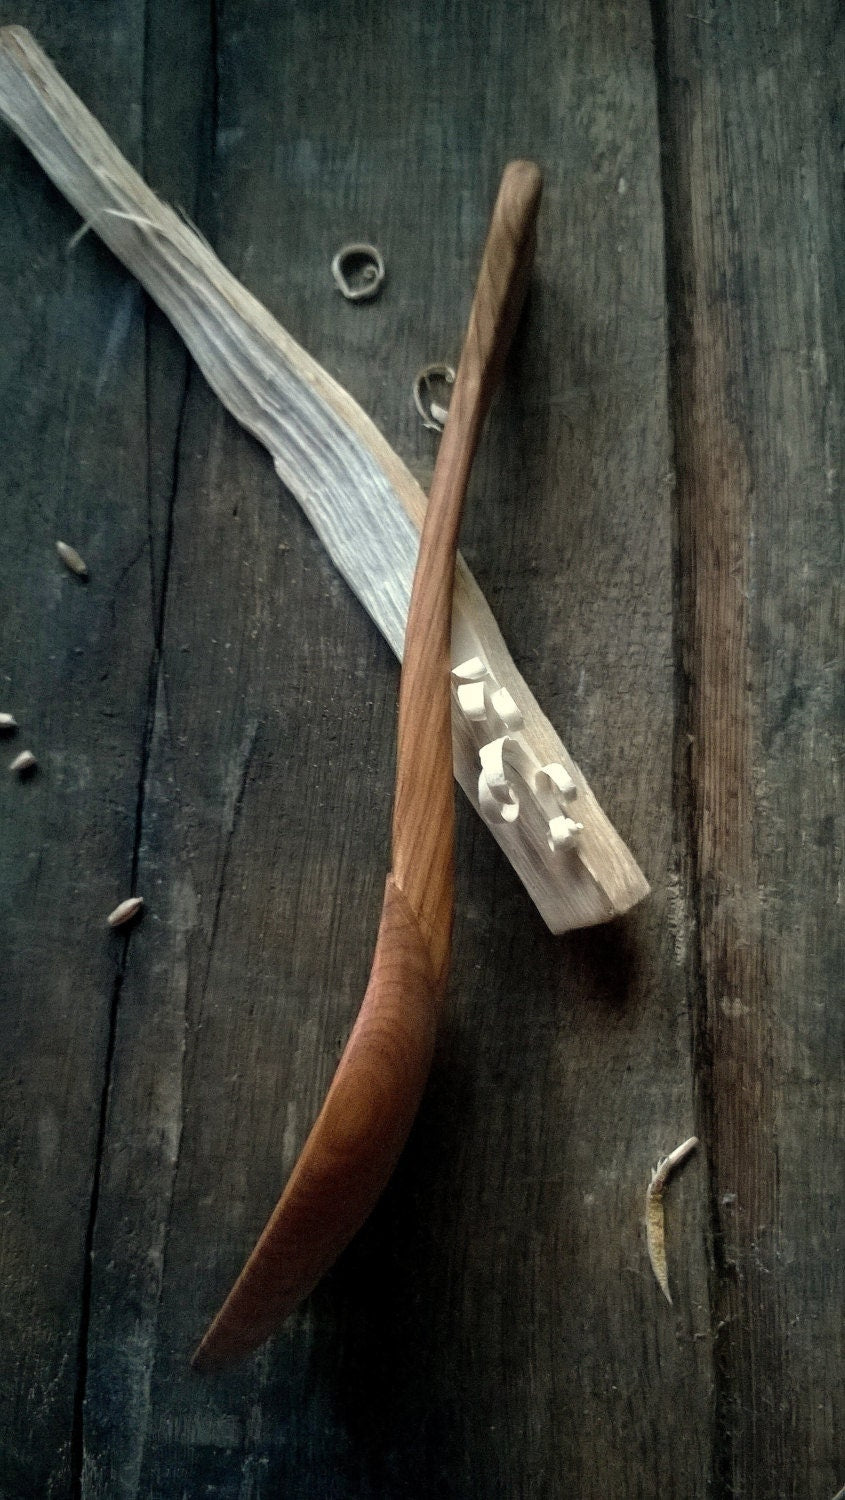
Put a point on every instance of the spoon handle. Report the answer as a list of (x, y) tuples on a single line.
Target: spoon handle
[(423, 813)]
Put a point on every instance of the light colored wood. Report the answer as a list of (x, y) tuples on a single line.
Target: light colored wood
[(360, 497), (370, 1107)]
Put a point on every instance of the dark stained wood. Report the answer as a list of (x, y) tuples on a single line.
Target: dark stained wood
[(75, 663), (495, 1330), (754, 232)]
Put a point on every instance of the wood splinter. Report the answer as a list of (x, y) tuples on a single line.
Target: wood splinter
[(365, 505), (370, 1107), (655, 1227)]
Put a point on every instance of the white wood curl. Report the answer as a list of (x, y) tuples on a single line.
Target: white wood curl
[(491, 710)]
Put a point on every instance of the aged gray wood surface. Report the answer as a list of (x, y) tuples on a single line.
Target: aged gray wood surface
[(214, 717), (753, 177), (76, 660)]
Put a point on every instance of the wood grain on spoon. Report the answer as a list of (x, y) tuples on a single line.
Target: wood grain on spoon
[(370, 1107)]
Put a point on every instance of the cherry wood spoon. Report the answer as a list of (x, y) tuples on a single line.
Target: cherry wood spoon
[(374, 1096)]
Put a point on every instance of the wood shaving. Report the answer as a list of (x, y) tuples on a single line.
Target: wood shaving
[(432, 412), (654, 1221), (71, 559), (7, 723), (125, 911), (371, 274), (24, 762)]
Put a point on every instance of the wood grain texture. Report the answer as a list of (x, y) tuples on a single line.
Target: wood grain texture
[(75, 662), (423, 809), (754, 235), (494, 1328), (495, 1331)]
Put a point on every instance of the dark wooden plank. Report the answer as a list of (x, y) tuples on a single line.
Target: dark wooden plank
[(75, 673), (495, 1329), (751, 115)]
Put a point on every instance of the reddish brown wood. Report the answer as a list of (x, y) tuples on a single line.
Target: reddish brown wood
[(373, 1099)]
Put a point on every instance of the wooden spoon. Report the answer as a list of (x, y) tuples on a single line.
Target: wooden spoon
[(370, 1107)]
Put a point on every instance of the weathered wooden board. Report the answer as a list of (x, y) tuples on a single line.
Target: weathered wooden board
[(444, 1357), (75, 664), (495, 1330), (755, 234)]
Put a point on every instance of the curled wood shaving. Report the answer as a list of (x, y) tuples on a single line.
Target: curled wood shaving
[(371, 276), (654, 1223), (432, 412), (7, 723)]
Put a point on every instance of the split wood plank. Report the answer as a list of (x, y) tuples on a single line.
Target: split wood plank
[(751, 95)]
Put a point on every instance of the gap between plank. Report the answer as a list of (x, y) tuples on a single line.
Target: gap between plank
[(686, 836)]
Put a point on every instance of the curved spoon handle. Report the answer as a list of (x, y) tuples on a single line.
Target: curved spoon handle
[(423, 811), (370, 1107)]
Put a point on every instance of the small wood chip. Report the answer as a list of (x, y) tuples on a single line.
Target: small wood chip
[(654, 1223), (24, 762), (125, 911), (7, 723), (71, 559)]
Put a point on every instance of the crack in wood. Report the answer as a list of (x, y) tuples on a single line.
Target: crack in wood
[(77, 1443)]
